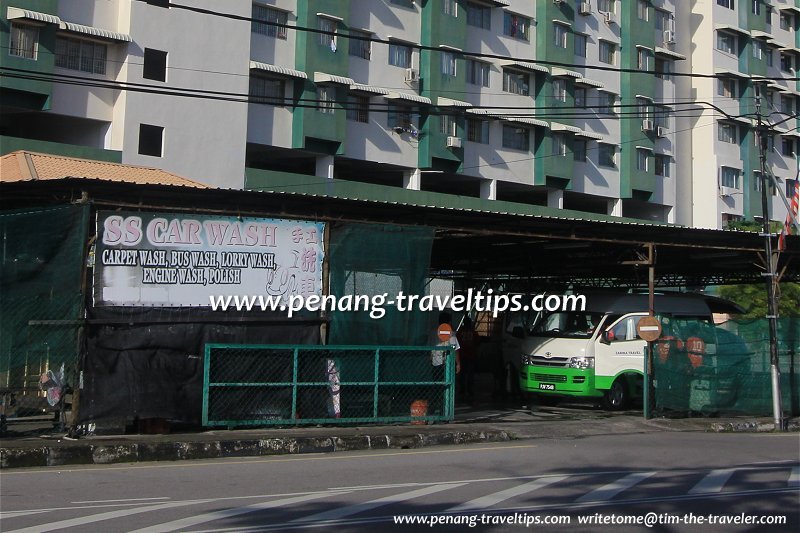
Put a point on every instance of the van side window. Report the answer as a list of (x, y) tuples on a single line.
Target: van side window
[(625, 329)]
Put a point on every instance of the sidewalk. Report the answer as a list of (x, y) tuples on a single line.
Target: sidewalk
[(471, 425)]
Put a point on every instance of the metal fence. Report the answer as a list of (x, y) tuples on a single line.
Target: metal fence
[(247, 385)]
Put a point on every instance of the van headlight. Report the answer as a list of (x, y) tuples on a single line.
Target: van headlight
[(581, 363)]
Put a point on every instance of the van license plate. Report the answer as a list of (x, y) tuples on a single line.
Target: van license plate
[(547, 386)]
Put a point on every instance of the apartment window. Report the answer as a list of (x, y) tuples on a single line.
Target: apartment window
[(155, 65), (606, 6), (643, 58), (77, 54), (787, 147), (580, 97), (606, 155), (661, 117), (326, 97), (608, 52), (559, 144), (758, 183), (151, 140), (769, 53), (24, 41), (478, 130), (663, 68), (266, 20), (515, 82), (579, 149), (477, 73), (448, 125), (768, 15), (787, 21), (560, 89), (727, 87), (642, 157), (516, 138), (643, 108), (360, 47), (401, 116), (516, 26), (606, 102), (726, 42), (580, 44), (399, 55), (790, 185), (769, 140), (358, 108), (450, 7), (756, 6), (726, 133), (787, 104), (758, 48), (663, 20), (786, 62), (725, 3), (729, 177), (267, 90), (560, 32), (448, 63), (661, 165), (479, 15), (642, 10), (329, 26)]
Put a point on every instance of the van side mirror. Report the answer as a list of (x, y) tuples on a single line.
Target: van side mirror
[(607, 336), (518, 332)]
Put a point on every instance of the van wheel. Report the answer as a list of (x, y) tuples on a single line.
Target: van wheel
[(616, 398)]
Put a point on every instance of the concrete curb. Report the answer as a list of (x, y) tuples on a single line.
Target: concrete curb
[(752, 426), (64, 453)]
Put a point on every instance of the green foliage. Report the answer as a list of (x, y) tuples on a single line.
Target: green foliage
[(753, 298), (753, 225)]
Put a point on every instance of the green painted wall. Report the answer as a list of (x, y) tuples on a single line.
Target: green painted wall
[(438, 29), (633, 182), (312, 129), (12, 144), (28, 94)]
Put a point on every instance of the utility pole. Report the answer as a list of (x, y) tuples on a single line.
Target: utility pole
[(770, 275)]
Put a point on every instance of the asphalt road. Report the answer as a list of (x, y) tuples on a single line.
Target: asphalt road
[(679, 478)]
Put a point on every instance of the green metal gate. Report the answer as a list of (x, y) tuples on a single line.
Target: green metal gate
[(245, 385)]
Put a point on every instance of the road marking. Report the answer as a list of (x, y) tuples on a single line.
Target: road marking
[(75, 522), (794, 477), (269, 459), (12, 514), (190, 521), (125, 500), (713, 482), (350, 510), (493, 499), (607, 492)]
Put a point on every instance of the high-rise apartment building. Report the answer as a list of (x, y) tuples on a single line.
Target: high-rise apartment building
[(635, 108)]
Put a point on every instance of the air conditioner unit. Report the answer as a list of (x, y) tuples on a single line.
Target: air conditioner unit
[(412, 75), (586, 8), (661, 131), (669, 37), (647, 125), (727, 191), (609, 17), (453, 142)]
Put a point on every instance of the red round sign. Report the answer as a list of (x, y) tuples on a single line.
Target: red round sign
[(445, 331)]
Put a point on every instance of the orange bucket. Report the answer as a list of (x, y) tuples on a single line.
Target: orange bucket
[(419, 408)]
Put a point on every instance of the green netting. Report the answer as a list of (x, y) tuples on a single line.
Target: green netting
[(700, 368), (289, 385), (373, 261), (40, 292)]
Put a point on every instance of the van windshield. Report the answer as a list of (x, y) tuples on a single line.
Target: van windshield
[(573, 324)]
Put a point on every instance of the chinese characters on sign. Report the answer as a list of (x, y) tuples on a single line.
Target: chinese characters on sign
[(174, 260)]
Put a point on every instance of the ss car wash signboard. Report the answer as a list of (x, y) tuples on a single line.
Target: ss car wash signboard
[(167, 259)]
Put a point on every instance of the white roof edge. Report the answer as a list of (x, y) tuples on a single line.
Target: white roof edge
[(21, 13), (450, 102), (324, 77), (395, 95), (257, 65), (369, 89), (95, 32)]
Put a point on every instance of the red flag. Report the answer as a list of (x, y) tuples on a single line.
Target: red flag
[(787, 226)]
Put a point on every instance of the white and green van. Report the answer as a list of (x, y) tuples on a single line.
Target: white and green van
[(596, 352)]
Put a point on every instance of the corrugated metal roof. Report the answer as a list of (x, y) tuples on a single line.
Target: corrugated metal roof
[(256, 65), (95, 32), (324, 77), (31, 166), (369, 89), (669, 53), (525, 65), (589, 83), (449, 102), (589, 135), (393, 95), (530, 121), (559, 72), (19, 13), (557, 126)]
